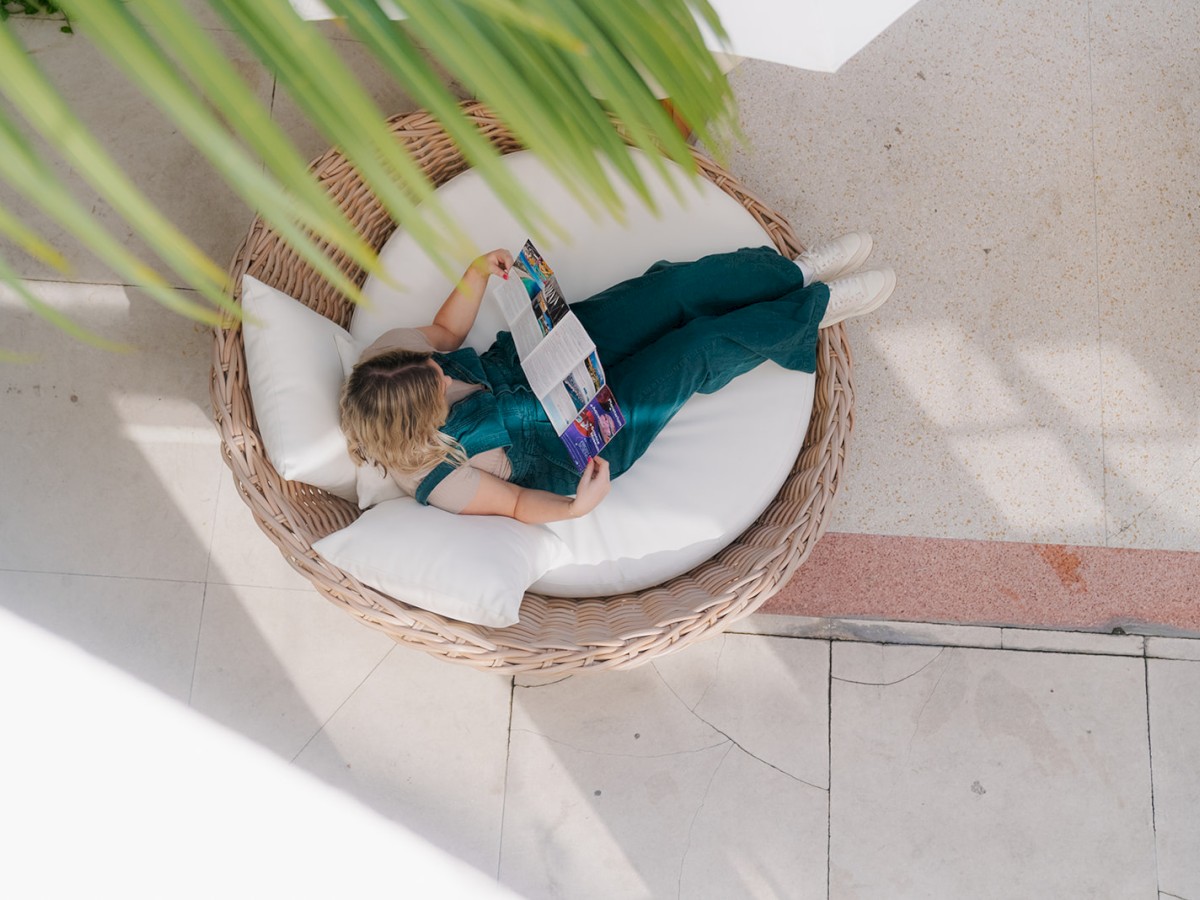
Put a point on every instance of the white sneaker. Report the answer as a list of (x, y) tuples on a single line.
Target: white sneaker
[(838, 257), (857, 295)]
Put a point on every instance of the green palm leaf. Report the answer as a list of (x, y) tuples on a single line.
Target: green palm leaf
[(116, 32), (22, 167), (30, 241), (401, 57), (539, 64), (32, 94), (321, 84)]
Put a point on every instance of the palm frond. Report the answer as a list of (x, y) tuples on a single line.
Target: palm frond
[(539, 64)]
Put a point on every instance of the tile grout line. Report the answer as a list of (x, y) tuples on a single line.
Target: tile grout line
[(829, 774), (212, 532), (1150, 766), (7, 571), (205, 582), (512, 697), (212, 535), (1145, 652), (349, 696), (196, 654), (1096, 261)]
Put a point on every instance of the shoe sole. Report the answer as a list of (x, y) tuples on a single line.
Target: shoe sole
[(877, 301), (854, 263)]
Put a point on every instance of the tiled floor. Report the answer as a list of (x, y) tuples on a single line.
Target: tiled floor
[(1026, 429)]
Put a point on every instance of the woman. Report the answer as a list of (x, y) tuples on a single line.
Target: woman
[(464, 432)]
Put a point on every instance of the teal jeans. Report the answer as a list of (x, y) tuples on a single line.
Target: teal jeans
[(678, 330)]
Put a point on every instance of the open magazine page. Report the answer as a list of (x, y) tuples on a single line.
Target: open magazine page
[(558, 357), (568, 398), (593, 428), (526, 333), (531, 299)]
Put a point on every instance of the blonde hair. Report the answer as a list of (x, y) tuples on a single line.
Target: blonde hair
[(392, 409)]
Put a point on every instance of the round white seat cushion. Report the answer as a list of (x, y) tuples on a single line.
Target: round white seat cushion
[(719, 462)]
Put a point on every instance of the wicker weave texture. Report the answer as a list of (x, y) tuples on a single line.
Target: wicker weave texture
[(555, 635)]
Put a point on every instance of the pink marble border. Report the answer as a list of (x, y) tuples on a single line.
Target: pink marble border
[(994, 583)]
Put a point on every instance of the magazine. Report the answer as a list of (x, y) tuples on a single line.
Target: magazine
[(558, 357)]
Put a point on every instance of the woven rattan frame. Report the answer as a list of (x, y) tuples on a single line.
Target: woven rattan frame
[(555, 635)]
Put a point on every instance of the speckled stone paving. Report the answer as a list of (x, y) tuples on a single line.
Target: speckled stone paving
[(1031, 172)]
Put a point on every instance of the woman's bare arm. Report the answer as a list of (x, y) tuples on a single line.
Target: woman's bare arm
[(497, 497), (458, 312)]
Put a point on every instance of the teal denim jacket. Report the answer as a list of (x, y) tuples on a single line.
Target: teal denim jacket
[(475, 421)]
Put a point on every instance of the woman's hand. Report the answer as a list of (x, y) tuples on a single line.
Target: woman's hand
[(593, 487), (454, 320), (497, 263)]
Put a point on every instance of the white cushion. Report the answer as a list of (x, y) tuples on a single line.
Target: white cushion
[(471, 568), (594, 252), (295, 377), (723, 457), (704, 481)]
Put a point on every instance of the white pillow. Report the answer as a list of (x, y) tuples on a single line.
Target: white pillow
[(470, 568), (295, 378), (374, 485)]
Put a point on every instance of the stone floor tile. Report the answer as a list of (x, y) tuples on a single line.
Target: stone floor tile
[(1147, 181), (275, 664), (730, 681), (984, 773), (1173, 648), (960, 139), (424, 742), (871, 630), (241, 553), (672, 788), (111, 461), (1073, 641), (758, 833), (100, 763), (147, 628), (1175, 754)]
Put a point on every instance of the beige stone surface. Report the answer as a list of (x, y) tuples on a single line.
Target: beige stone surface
[(701, 775), (144, 627), (111, 460), (960, 138), (425, 744), (983, 773), (276, 664), (1147, 182), (1174, 739)]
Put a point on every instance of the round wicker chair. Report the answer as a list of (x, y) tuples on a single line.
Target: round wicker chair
[(555, 635)]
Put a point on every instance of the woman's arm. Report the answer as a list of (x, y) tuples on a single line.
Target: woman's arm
[(497, 497), (457, 315)]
